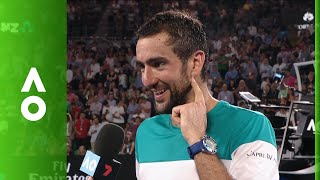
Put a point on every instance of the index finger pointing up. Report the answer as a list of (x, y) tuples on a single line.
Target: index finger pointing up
[(198, 95)]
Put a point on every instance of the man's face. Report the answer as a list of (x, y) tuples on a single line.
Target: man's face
[(163, 72), (82, 115)]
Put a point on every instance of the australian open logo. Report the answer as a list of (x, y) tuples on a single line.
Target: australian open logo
[(33, 76)]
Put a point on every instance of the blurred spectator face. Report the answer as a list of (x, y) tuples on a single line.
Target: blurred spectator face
[(95, 99), (251, 76), (287, 73), (224, 87), (120, 103), (82, 150), (242, 83), (95, 119), (232, 83), (311, 76), (216, 89), (100, 92), (113, 84), (214, 68), (82, 115), (267, 88), (129, 135), (310, 88)]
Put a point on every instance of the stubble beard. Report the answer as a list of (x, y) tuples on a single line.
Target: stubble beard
[(178, 96)]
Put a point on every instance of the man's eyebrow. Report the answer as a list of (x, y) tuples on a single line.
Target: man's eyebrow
[(152, 60)]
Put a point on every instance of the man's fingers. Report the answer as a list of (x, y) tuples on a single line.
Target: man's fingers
[(198, 95), (175, 116)]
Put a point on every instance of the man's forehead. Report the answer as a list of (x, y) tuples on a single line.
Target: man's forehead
[(153, 46)]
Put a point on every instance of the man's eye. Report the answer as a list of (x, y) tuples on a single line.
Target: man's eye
[(159, 64), (139, 66)]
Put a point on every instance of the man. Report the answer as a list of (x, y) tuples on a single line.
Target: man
[(289, 79), (172, 55), (95, 105), (82, 126), (226, 95), (145, 106), (94, 130)]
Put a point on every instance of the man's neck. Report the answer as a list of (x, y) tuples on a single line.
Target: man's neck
[(210, 101)]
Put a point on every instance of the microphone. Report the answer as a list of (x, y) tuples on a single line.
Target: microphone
[(101, 164)]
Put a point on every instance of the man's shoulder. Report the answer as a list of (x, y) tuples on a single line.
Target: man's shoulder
[(243, 125), (153, 123)]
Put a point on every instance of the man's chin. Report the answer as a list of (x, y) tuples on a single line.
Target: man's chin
[(162, 108)]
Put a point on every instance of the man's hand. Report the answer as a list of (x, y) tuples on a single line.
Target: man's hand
[(192, 117)]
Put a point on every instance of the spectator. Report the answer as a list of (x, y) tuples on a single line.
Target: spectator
[(214, 73), (128, 145), (102, 97), (265, 69), (138, 81), (252, 83), (135, 123), (81, 151), (112, 76), (288, 80), (95, 67), (145, 106), (226, 95), (283, 94), (279, 66), (310, 80), (82, 126), (118, 113), (94, 130), (95, 106), (215, 91), (123, 80), (111, 100), (285, 113), (70, 129), (69, 74), (242, 87), (265, 81), (133, 108), (291, 96), (268, 95), (232, 85), (248, 68), (114, 90), (100, 77), (231, 74)]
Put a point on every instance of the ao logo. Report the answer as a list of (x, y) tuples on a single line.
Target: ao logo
[(90, 163), (33, 76)]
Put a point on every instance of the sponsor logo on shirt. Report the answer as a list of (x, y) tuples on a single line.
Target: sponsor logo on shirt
[(267, 156)]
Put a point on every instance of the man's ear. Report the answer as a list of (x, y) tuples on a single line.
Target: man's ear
[(197, 62)]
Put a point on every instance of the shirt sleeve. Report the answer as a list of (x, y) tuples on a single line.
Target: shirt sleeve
[(255, 161), (254, 154)]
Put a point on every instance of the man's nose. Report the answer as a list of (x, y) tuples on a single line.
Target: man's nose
[(148, 77)]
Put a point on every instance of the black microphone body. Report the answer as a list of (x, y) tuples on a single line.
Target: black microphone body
[(108, 144)]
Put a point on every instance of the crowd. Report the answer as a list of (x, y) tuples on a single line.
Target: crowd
[(248, 46)]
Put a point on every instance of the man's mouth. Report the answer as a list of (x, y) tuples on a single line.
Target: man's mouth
[(159, 94)]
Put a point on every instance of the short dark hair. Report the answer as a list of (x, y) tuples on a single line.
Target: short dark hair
[(186, 34)]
